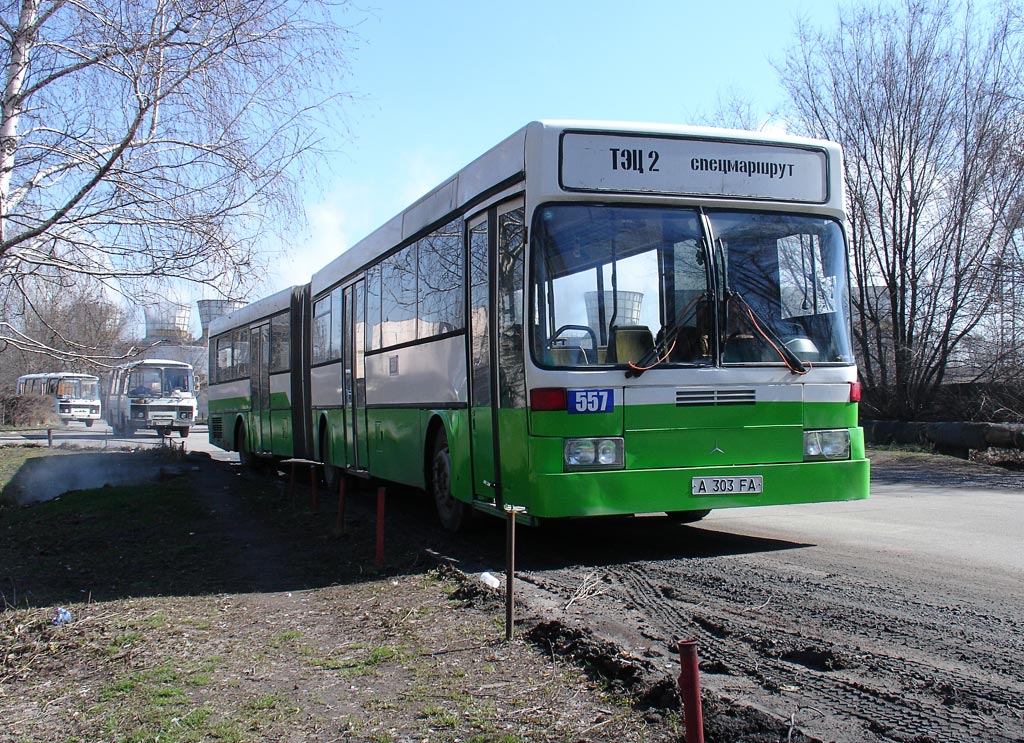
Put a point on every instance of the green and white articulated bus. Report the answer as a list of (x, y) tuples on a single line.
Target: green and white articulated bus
[(259, 378), (589, 319)]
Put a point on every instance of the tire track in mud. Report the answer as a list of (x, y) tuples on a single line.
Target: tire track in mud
[(863, 655)]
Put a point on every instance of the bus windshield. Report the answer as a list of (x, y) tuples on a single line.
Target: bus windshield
[(81, 389), (157, 381), (645, 286)]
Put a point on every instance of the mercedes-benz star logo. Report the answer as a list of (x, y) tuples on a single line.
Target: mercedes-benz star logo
[(717, 449)]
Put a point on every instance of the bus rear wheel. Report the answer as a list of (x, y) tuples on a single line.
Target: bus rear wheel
[(332, 473), (245, 457), (453, 513)]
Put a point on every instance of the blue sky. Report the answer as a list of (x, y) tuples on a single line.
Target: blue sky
[(435, 84)]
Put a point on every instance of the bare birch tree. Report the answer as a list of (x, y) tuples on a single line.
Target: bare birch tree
[(926, 99), (156, 139)]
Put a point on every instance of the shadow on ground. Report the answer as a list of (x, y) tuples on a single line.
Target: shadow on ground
[(148, 524)]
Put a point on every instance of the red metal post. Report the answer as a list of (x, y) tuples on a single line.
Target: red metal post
[(340, 524), (291, 484), (689, 688), (380, 528), (312, 484)]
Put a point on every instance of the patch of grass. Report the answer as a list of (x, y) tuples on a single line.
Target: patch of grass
[(155, 552), (439, 716), (264, 702), (13, 457), (123, 640)]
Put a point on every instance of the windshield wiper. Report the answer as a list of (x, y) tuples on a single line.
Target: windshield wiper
[(669, 336), (765, 331)]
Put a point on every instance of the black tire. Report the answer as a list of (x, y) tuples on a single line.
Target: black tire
[(245, 457), (88, 424), (687, 517), (453, 513), (332, 473), (183, 432)]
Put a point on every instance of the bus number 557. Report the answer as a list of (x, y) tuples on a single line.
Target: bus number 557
[(591, 401)]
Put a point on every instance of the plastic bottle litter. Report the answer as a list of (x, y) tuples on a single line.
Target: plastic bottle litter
[(61, 616), (490, 581)]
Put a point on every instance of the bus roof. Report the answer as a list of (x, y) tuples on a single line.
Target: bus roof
[(502, 166), (155, 362), (58, 375), (256, 311)]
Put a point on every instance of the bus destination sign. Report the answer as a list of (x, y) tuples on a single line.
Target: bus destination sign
[(671, 165)]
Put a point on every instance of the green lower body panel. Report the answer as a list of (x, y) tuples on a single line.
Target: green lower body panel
[(648, 491)]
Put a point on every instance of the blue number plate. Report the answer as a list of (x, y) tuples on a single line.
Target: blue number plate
[(591, 401)]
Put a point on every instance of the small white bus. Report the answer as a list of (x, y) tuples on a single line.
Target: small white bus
[(74, 396), (158, 394)]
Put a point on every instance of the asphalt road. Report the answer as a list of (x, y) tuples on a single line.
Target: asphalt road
[(898, 619), (101, 436)]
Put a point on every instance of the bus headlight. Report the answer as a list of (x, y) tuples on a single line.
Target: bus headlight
[(827, 444), (593, 454)]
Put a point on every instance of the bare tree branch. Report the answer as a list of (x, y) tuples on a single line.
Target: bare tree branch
[(926, 100), (147, 140)]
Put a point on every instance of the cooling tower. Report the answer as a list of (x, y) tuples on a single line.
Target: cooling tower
[(211, 309), (168, 321)]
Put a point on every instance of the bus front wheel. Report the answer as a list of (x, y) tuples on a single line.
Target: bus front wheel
[(453, 513), (687, 517)]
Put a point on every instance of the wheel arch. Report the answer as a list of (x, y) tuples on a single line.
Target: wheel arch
[(240, 425), (437, 423), (323, 427)]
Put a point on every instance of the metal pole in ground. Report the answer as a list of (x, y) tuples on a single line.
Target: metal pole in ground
[(510, 567), (291, 482), (340, 523), (689, 688), (380, 528), (49, 437)]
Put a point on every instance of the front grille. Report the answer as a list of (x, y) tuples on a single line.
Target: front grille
[(688, 398)]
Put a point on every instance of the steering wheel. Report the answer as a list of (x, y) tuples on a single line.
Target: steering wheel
[(585, 328)]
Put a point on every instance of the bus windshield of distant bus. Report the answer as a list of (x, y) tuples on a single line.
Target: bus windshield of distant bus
[(663, 286), (154, 381), (78, 389)]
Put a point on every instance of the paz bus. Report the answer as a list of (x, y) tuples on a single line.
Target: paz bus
[(589, 319), (157, 394), (75, 397)]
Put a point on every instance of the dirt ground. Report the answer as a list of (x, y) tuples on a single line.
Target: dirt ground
[(274, 623)]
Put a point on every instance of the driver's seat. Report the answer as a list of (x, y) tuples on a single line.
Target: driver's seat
[(629, 343)]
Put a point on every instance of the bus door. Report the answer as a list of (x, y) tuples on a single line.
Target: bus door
[(482, 411), (259, 386), (354, 382)]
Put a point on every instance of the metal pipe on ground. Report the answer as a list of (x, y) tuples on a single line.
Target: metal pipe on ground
[(379, 561), (689, 689)]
